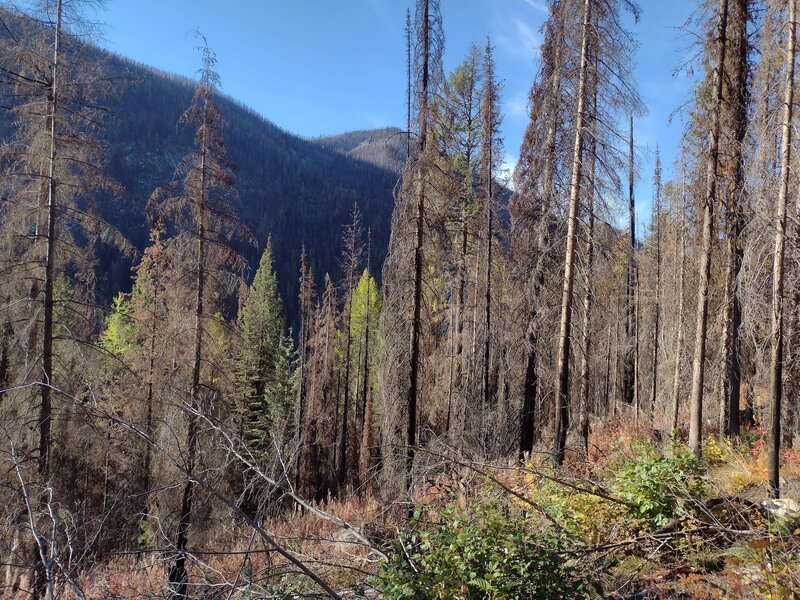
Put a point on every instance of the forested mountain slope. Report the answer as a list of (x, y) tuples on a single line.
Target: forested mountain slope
[(385, 148), (297, 190)]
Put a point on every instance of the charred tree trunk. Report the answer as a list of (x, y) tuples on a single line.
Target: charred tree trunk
[(42, 577), (776, 359), (735, 220), (562, 398), (629, 364), (588, 294), (489, 109), (416, 310), (178, 578), (706, 235), (681, 244), (531, 385)]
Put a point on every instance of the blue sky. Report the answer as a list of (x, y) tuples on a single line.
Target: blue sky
[(318, 67)]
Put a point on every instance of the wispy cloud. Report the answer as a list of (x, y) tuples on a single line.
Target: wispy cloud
[(540, 6), (517, 106), (519, 39)]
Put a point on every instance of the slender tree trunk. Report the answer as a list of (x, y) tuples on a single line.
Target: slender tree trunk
[(736, 219), (657, 307), (681, 244), (629, 364), (727, 339), (607, 387), (178, 577), (42, 573), (707, 234), (776, 360), (416, 323), (45, 409), (302, 388), (562, 398), (489, 133), (588, 294), (148, 426), (637, 362), (531, 385), (409, 41), (458, 359), (366, 420), (656, 333), (343, 454)]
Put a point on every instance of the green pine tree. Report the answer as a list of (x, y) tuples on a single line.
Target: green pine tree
[(119, 333), (264, 374)]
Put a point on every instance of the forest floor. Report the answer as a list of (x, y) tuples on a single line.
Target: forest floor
[(630, 519)]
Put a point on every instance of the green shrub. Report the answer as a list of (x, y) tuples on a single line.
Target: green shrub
[(486, 552), (584, 515), (659, 485)]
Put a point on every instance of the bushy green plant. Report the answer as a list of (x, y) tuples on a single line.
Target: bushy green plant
[(586, 516), (487, 551), (657, 484)]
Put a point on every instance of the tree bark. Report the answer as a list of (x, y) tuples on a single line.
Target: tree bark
[(416, 324), (776, 357), (588, 294), (528, 426), (178, 578), (562, 398), (681, 243), (629, 395), (707, 234)]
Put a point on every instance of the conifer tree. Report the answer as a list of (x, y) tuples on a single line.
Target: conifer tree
[(563, 351), (364, 321), (406, 266), (148, 313), (352, 252), (263, 360), (306, 299), (116, 337), (706, 235), (491, 149), (49, 226), (201, 202), (777, 331), (461, 137), (535, 179)]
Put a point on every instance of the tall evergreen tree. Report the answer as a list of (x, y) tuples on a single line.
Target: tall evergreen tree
[(262, 360)]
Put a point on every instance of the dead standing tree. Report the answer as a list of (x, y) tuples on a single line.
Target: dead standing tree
[(535, 206), (706, 236), (777, 332), (402, 320), (201, 202), (564, 336), (53, 174)]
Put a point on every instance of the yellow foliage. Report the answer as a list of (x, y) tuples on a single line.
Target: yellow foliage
[(717, 453)]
